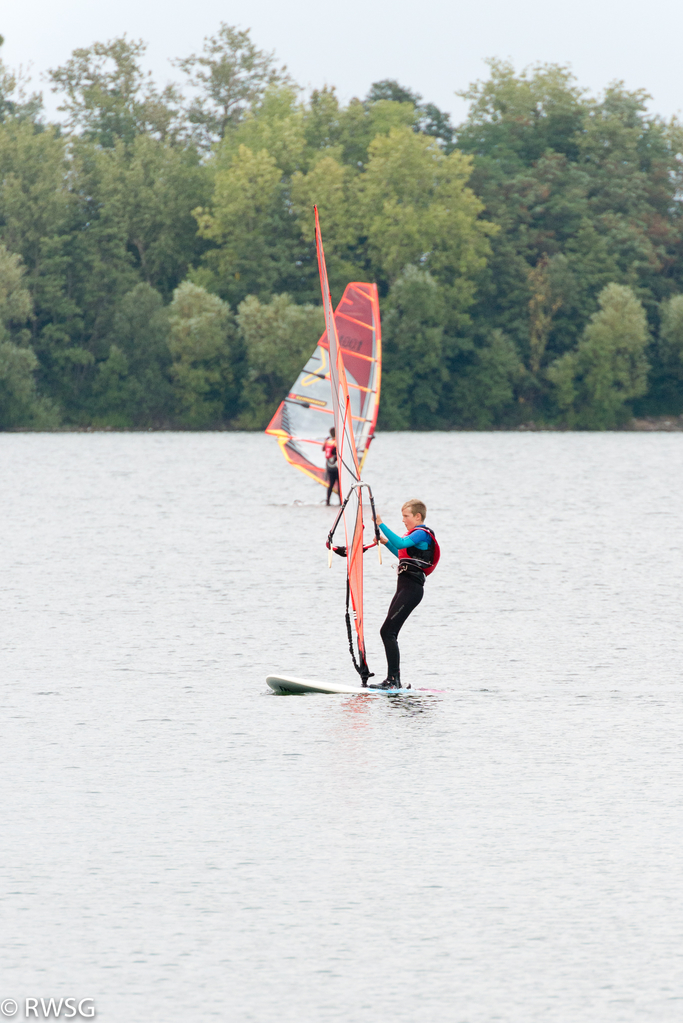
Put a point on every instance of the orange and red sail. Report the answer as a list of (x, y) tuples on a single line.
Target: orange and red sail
[(350, 490), (304, 418), (339, 386)]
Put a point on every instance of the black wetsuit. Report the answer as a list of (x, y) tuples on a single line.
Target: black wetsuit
[(410, 590)]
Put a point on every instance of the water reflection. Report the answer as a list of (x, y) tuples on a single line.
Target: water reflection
[(359, 708), (410, 706)]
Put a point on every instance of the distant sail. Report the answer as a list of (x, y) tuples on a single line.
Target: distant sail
[(303, 420)]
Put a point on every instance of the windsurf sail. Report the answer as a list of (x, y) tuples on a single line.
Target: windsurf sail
[(350, 485), (302, 422)]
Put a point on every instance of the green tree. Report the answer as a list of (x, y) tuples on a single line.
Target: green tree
[(254, 235), (346, 132), (144, 193), (72, 229), (20, 404), (414, 371), (551, 196), (360, 124), (331, 186), (16, 306), (588, 185), (543, 305), (671, 334), (201, 341), (278, 338), (126, 217), (608, 368), (665, 393), (91, 222), (98, 268), (231, 76), (483, 382), (38, 216), (390, 89), (428, 118), (14, 102), (542, 213), (107, 95), (277, 126), (417, 209), (515, 119), (636, 174), (133, 386), (322, 121)]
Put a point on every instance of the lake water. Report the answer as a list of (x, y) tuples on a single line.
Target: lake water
[(179, 844)]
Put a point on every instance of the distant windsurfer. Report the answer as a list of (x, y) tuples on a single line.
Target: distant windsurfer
[(418, 554), (331, 466)]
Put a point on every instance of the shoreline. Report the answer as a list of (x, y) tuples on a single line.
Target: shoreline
[(640, 424)]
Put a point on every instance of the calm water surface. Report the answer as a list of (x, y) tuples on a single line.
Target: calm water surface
[(181, 845)]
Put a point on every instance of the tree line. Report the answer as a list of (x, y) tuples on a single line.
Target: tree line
[(157, 260)]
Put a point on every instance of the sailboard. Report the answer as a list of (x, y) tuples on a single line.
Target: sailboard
[(288, 684), (303, 419)]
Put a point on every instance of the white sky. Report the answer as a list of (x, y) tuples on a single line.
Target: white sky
[(434, 47)]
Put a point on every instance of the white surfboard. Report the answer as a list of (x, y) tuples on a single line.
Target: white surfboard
[(287, 684)]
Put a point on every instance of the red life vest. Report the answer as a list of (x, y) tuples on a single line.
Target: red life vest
[(427, 560), (330, 453)]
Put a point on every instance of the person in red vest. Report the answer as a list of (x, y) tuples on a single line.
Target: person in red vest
[(331, 466), (418, 554)]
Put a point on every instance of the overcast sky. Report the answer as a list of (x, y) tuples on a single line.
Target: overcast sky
[(434, 47)]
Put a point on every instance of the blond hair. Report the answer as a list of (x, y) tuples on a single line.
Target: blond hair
[(416, 508)]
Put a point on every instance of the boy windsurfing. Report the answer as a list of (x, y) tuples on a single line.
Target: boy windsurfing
[(418, 555)]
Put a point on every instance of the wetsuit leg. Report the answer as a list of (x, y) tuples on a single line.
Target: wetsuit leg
[(409, 593), (332, 477)]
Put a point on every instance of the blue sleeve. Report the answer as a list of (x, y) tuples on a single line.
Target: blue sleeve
[(397, 543)]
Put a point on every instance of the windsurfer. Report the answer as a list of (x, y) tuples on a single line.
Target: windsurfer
[(331, 466), (418, 554)]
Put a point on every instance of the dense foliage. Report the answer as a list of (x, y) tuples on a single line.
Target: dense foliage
[(157, 265)]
